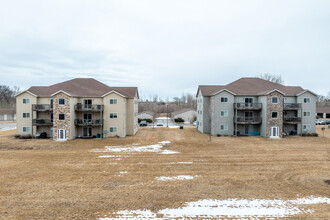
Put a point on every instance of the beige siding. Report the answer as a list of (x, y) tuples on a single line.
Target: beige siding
[(120, 109), (24, 108)]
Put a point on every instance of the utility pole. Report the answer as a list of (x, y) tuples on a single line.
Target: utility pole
[(167, 113)]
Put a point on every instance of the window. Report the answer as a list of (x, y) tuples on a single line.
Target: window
[(224, 127), (113, 115), (274, 100), (113, 101), (26, 129), (307, 114), (274, 114), (26, 101), (224, 99), (61, 117), (113, 129), (26, 115), (88, 103), (307, 100), (224, 113), (61, 101), (306, 127)]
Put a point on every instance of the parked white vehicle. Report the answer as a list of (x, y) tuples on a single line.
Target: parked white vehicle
[(160, 123)]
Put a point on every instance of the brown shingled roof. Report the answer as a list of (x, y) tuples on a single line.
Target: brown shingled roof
[(82, 87), (324, 109), (252, 86)]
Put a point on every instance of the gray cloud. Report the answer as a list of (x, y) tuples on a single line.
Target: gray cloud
[(165, 47)]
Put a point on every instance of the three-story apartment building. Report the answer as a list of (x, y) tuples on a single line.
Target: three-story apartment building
[(82, 107), (255, 107)]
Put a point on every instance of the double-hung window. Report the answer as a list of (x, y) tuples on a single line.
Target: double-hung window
[(113, 101), (26, 115), (224, 99), (113, 115), (26, 101)]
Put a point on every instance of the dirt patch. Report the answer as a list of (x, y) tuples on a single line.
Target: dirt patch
[(65, 180)]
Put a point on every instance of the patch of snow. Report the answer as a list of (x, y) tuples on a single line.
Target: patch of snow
[(229, 208), (163, 118), (7, 128), (106, 156), (180, 162), (180, 177), (156, 148), (164, 142), (173, 126), (168, 152), (121, 173)]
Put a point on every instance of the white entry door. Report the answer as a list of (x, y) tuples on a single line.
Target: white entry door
[(274, 132), (61, 134)]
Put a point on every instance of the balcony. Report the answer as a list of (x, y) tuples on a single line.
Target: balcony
[(88, 108), (88, 122), (42, 122), (42, 107), (291, 120), (292, 106), (248, 120), (247, 106)]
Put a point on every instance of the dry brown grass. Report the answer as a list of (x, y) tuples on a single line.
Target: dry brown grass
[(6, 122), (42, 179)]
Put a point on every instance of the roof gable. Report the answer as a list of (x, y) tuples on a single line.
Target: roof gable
[(251, 86), (82, 87)]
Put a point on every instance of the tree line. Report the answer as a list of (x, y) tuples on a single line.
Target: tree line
[(7, 95)]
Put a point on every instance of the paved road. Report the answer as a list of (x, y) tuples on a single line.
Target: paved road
[(7, 126), (171, 124)]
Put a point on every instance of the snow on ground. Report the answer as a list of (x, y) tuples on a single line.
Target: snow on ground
[(228, 208), (156, 148), (180, 177), (7, 128), (121, 173), (174, 126), (106, 156), (180, 162)]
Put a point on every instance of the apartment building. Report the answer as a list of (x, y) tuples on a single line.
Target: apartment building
[(255, 107), (78, 108)]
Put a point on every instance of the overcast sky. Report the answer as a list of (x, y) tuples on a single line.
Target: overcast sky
[(165, 47)]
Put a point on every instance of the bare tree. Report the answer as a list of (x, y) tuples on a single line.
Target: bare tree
[(7, 95), (272, 78)]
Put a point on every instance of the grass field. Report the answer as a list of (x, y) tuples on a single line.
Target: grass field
[(42, 179)]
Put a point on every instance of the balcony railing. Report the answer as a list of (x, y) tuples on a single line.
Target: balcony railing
[(248, 106), (41, 121), (291, 106), (88, 122), (42, 107), (248, 120), (83, 107), (291, 120)]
